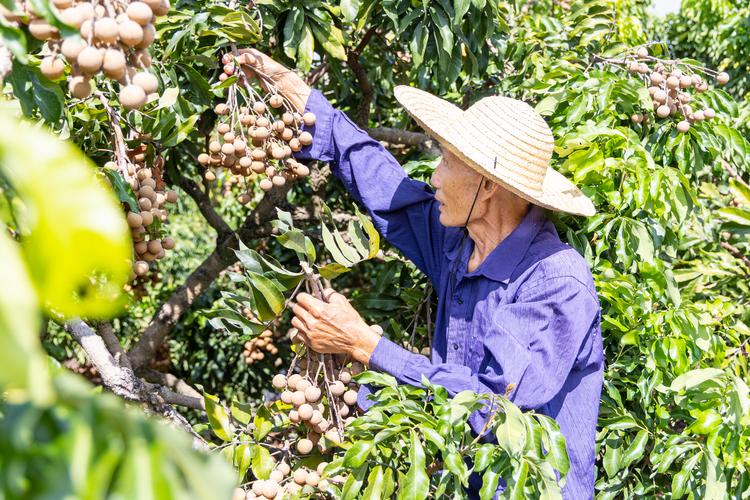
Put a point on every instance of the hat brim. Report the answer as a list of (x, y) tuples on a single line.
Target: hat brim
[(443, 121)]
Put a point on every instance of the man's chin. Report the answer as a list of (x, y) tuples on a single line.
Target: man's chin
[(447, 222)]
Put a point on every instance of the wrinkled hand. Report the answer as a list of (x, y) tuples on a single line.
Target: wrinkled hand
[(333, 326), (255, 63)]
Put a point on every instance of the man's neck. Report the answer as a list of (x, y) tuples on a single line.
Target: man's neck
[(489, 230)]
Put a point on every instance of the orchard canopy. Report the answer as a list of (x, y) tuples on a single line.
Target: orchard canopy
[(156, 227)]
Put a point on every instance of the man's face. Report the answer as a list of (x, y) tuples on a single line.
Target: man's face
[(455, 185)]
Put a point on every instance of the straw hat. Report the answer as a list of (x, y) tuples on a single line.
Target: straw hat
[(503, 128)]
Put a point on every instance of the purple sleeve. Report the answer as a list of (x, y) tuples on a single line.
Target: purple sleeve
[(403, 210), (530, 347)]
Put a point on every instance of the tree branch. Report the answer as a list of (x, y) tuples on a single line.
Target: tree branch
[(104, 329), (352, 59), (204, 203), (397, 136), (121, 380), (736, 253)]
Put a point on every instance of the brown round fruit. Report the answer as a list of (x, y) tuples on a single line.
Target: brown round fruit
[(279, 381), (41, 30), (52, 67), (140, 12), (304, 446), (106, 30), (79, 87), (134, 220), (683, 126), (265, 184), (90, 60), (722, 78), (300, 475), (140, 267), (709, 113), (131, 33), (259, 108), (663, 111), (132, 97), (149, 35)]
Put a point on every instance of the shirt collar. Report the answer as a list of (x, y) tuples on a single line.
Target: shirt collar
[(503, 260)]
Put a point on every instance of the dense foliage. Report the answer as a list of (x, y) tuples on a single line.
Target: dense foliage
[(668, 247)]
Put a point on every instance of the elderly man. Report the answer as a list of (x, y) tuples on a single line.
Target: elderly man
[(517, 308)]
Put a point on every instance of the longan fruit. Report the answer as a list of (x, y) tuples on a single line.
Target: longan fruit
[(148, 218), (304, 446), (686, 81), (300, 475), (312, 394), (313, 478), (279, 381), (52, 67), (276, 101), (284, 468), (345, 376), (149, 35), (308, 119), (262, 121), (298, 398), (636, 118), (257, 487), (337, 388), (214, 146), (141, 247), (140, 267), (223, 128), (145, 203), (334, 436), (134, 220), (305, 138), (258, 167), (154, 246), (140, 12), (72, 16), (114, 63), (265, 184), (321, 467), (244, 199), (683, 126), (106, 30), (278, 180), (147, 81), (168, 243), (287, 118), (286, 396), (162, 8), (673, 82), (722, 78), (240, 145), (172, 196), (343, 410), (259, 108), (350, 397), (642, 52), (79, 87), (132, 97), (662, 111), (293, 414), (209, 176), (295, 144), (41, 30), (323, 484), (305, 411), (229, 136), (709, 113), (227, 148), (270, 489), (70, 48), (90, 60), (131, 33)]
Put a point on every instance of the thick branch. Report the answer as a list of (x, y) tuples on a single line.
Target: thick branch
[(174, 383), (397, 136), (352, 59), (104, 329), (204, 204), (120, 379)]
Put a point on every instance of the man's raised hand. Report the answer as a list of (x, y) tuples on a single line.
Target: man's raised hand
[(255, 63)]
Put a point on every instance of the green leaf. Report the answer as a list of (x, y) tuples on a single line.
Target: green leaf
[(243, 454), (263, 423), (122, 189), (358, 453), (416, 483), (78, 246), (554, 444), (241, 412), (353, 483), (636, 449), (14, 39), (694, 378), (511, 432), (305, 49), (332, 270), (262, 462), (218, 418), (374, 490), (271, 293), (490, 480), (349, 9), (376, 378)]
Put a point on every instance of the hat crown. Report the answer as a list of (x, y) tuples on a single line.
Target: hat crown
[(514, 133)]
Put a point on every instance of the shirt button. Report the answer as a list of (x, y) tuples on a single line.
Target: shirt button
[(455, 347), (460, 300)]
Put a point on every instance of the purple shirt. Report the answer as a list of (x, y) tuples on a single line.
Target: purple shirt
[(526, 319)]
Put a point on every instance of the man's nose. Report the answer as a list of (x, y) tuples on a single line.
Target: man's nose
[(435, 178)]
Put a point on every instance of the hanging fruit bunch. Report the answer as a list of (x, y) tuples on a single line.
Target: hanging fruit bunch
[(114, 39), (670, 84), (253, 351), (146, 222), (255, 135)]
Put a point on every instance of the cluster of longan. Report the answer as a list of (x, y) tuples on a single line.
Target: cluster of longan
[(254, 347), (256, 137), (668, 87), (283, 482), (146, 183), (114, 40)]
